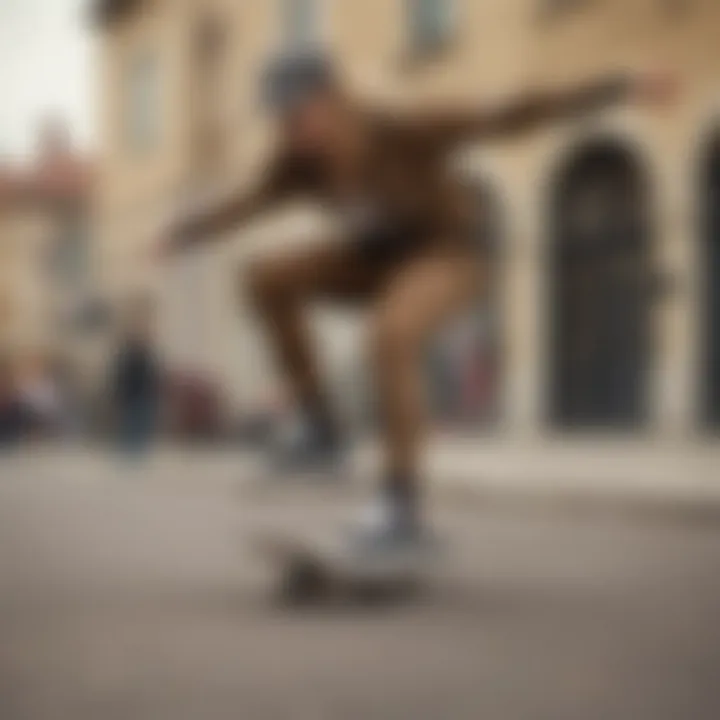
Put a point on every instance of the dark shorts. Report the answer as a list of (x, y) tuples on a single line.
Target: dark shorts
[(389, 244)]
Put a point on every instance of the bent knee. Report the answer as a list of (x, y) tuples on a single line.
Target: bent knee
[(263, 280), (396, 337)]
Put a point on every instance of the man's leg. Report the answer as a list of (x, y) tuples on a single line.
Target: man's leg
[(282, 285), (417, 299)]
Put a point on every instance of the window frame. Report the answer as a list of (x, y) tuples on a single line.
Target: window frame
[(421, 47), (320, 21), (550, 11), (142, 100)]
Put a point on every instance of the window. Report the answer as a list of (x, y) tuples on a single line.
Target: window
[(552, 9), (300, 22), (210, 41), (430, 24), (143, 102), (207, 111), (675, 9), (68, 260)]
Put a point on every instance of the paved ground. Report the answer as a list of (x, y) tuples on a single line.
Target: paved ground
[(130, 597)]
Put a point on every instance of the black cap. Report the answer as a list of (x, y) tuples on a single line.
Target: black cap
[(291, 78)]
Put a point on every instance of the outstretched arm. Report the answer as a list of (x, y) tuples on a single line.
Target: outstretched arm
[(536, 108), (201, 226), (234, 210)]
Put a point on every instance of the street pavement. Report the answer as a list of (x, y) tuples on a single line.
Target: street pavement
[(129, 593)]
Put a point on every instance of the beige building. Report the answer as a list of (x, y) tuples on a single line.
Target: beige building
[(44, 251), (591, 215)]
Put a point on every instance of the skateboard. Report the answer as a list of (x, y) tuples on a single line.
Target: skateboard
[(310, 573)]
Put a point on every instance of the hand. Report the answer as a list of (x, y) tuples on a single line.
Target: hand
[(175, 238), (655, 88), (163, 248)]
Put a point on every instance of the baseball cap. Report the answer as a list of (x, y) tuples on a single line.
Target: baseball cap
[(292, 77)]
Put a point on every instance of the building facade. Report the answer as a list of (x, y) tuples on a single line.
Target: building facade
[(45, 251), (607, 268)]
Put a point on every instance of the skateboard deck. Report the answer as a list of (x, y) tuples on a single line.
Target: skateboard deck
[(311, 572)]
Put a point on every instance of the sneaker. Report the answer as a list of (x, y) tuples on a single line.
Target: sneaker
[(387, 541)]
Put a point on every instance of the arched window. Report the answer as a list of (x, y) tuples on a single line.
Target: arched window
[(599, 281), (710, 258)]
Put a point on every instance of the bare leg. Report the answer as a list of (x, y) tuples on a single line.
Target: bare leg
[(416, 300), (284, 284)]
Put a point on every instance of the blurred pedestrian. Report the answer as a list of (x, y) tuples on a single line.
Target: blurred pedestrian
[(11, 414), (40, 398), (136, 382)]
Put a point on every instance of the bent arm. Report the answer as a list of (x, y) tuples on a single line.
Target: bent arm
[(528, 111)]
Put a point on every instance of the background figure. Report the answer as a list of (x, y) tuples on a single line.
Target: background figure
[(72, 410), (39, 398), (11, 415), (459, 364), (136, 382)]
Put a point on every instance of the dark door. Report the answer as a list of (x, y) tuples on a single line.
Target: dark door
[(711, 261), (599, 281)]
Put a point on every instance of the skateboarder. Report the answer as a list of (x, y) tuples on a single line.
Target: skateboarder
[(404, 246)]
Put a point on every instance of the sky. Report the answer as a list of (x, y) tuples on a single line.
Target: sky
[(45, 60)]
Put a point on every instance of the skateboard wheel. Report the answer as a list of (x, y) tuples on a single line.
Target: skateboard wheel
[(304, 582)]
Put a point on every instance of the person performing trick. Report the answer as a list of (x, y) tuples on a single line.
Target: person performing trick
[(406, 248)]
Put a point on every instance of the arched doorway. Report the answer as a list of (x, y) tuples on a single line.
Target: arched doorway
[(464, 363), (599, 282), (710, 386)]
